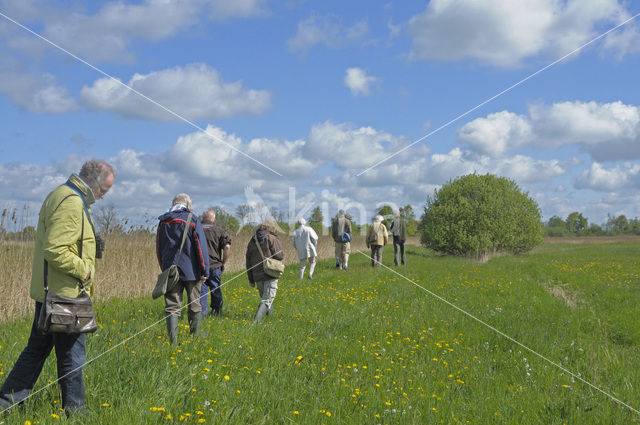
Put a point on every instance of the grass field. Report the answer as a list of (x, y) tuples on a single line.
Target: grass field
[(369, 346)]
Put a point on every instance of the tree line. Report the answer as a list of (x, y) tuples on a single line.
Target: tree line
[(576, 224)]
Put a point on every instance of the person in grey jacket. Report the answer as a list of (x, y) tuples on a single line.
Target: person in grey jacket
[(267, 285), (398, 229), (305, 240)]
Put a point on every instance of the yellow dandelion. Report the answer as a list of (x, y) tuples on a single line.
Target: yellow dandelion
[(328, 413), (226, 377), (295, 412)]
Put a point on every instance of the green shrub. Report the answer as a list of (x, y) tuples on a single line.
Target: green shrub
[(476, 215)]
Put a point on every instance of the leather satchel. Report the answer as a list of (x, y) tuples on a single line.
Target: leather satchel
[(271, 266), (63, 314), (169, 278)]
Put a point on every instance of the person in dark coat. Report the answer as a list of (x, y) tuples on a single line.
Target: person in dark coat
[(267, 285), (193, 262), (219, 244)]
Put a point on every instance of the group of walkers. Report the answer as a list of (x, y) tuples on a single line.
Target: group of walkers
[(66, 248)]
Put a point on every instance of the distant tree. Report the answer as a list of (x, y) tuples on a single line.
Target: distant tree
[(576, 223), (595, 230), (387, 213), (618, 224), (225, 220), (106, 219), (315, 220), (634, 226), (556, 221), (28, 233), (477, 215), (278, 215), (243, 212), (409, 216)]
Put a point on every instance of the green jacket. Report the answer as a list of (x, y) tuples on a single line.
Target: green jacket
[(58, 239)]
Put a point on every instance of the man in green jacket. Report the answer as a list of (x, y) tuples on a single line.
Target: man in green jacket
[(64, 223)]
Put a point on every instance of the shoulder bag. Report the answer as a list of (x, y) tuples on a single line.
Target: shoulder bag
[(271, 266), (169, 277), (64, 314)]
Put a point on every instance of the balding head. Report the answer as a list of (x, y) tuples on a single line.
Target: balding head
[(209, 216)]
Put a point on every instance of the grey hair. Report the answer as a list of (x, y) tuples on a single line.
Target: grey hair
[(341, 212), (182, 198), (96, 171), (396, 214), (378, 219), (302, 221)]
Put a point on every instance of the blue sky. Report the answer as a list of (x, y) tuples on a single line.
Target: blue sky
[(320, 92)]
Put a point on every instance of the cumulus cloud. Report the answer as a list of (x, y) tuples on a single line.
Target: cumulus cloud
[(347, 146), (497, 133), (109, 33), (506, 32), (35, 93), (327, 30), (195, 91), (358, 82), (599, 178), (606, 131)]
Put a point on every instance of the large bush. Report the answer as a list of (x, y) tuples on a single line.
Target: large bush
[(478, 216)]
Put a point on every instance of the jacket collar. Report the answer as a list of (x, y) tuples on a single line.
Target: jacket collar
[(75, 180)]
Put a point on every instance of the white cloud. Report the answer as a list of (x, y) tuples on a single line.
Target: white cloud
[(35, 93), (195, 91), (347, 146), (357, 80), (109, 33), (506, 32), (618, 178), (606, 131), (499, 132), (327, 30)]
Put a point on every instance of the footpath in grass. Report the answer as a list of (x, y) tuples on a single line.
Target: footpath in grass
[(369, 346)]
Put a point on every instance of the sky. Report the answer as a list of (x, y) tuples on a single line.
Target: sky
[(336, 104)]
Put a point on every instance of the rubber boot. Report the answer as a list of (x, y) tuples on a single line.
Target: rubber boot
[(262, 310), (194, 324), (172, 328), (270, 311)]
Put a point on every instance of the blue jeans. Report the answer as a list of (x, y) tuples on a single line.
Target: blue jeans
[(212, 284), (71, 358)]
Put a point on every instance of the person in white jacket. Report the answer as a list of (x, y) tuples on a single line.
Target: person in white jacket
[(305, 240)]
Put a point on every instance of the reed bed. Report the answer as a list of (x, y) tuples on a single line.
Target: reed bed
[(128, 269)]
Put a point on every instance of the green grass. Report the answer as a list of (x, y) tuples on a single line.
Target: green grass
[(368, 346)]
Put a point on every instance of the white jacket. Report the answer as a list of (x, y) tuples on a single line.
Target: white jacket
[(304, 240)]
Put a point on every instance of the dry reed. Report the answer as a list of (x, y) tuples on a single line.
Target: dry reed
[(128, 269)]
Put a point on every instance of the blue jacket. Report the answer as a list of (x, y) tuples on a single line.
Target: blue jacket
[(193, 261)]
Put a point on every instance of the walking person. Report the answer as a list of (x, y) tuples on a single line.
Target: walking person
[(219, 245), (192, 262), (305, 240), (64, 224), (398, 229), (341, 233), (377, 238), (269, 247)]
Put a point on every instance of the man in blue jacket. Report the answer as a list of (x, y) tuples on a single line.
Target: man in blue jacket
[(193, 262)]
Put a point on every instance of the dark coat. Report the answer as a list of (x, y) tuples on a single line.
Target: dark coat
[(271, 247), (193, 261)]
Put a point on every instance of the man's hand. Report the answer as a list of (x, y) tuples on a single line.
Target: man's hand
[(86, 279), (252, 284), (203, 279)]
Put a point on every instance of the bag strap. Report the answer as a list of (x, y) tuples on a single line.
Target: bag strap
[(255, 237), (184, 237)]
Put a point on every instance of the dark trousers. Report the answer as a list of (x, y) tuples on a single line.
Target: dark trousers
[(212, 285), (376, 255), (71, 358), (398, 251)]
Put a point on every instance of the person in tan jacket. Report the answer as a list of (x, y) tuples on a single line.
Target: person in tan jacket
[(377, 238)]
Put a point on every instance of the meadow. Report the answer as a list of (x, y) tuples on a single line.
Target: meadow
[(371, 346)]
